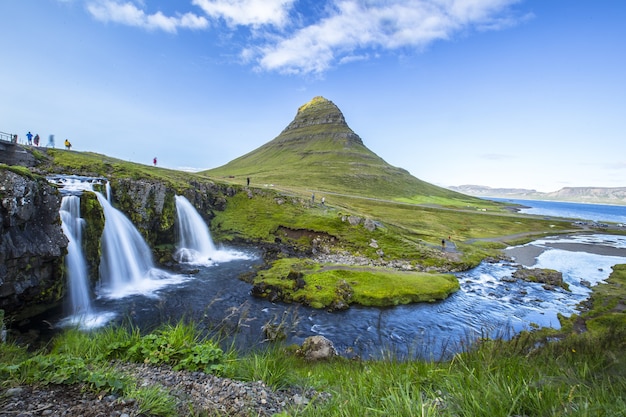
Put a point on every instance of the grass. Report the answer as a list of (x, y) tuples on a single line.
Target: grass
[(542, 373), (338, 286)]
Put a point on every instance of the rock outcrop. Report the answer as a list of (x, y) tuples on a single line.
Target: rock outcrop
[(32, 243), (151, 205)]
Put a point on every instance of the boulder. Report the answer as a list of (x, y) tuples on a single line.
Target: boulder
[(317, 348)]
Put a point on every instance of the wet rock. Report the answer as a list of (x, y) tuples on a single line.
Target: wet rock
[(32, 243), (549, 277)]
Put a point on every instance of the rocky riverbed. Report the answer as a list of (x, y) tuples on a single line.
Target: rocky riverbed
[(196, 393)]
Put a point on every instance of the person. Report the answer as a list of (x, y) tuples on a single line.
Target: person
[(51, 141), (68, 145), (323, 200), (248, 181), (443, 243), (29, 137), (154, 161), (14, 139), (313, 198), (37, 139)]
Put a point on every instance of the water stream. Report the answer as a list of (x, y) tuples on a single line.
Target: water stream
[(489, 304), (195, 244)]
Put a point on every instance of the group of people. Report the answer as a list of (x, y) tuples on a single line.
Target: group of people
[(35, 140), (29, 138)]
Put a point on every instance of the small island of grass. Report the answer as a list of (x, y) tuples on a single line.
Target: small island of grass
[(336, 287)]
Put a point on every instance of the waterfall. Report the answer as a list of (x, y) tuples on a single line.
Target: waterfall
[(78, 280), (126, 265), (195, 245), (194, 239)]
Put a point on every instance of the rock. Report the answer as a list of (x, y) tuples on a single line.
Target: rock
[(32, 243), (549, 277), (369, 225), (317, 348)]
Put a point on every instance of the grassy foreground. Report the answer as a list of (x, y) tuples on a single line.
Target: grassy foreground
[(541, 373)]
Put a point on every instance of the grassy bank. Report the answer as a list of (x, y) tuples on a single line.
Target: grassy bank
[(579, 370)]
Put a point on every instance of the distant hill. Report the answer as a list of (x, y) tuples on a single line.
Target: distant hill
[(598, 195), (319, 151)]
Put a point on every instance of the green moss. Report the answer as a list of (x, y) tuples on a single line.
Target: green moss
[(92, 212), (336, 286), (19, 170)]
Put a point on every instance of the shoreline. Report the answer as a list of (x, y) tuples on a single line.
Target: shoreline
[(527, 255)]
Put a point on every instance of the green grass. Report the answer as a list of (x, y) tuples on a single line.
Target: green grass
[(541, 373), (337, 286), (93, 164)]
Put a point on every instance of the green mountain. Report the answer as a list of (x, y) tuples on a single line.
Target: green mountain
[(318, 151)]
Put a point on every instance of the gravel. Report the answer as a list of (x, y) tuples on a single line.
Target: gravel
[(196, 393)]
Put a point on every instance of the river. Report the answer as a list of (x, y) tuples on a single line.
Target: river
[(487, 305)]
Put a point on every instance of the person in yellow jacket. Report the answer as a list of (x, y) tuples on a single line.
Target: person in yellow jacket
[(68, 145)]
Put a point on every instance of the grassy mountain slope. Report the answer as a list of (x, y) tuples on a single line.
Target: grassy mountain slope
[(319, 152)]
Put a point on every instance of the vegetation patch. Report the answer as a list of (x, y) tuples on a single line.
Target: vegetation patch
[(336, 287)]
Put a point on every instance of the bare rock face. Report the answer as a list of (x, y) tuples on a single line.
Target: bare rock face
[(32, 243), (316, 348)]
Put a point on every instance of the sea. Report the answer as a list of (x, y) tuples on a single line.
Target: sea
[(596, 213)]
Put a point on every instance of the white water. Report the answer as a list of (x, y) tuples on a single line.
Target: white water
[(195, 245), (126, 265), (78, 281), (79, 300)]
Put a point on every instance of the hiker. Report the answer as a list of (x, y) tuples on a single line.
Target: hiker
[(154, 161), (37, 139), (248, 181), (29, 137), (68, 145), (313, 198), (443, 243), (50, 141), (323, 200)]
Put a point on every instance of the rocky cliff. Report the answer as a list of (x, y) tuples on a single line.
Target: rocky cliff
[(32, 243), (33, 246)]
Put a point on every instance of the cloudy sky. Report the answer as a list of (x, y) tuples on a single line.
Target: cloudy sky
[(504, 93)]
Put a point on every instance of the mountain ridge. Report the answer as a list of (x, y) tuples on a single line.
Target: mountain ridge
[(596, 195)]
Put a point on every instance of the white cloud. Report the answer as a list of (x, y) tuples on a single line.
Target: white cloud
[(253, 13), (337, 32), (354, 25), (129, 14)]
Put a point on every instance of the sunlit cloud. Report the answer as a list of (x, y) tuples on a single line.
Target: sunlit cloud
[(275, 36), (253, 13), (129, 14)]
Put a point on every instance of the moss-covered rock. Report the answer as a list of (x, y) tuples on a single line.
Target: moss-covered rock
[(336, 287), (32, 243), (91, 211)]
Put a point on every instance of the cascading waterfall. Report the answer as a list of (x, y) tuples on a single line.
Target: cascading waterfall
[(194, 239), (126, 265), (80, 303), (195, 245)]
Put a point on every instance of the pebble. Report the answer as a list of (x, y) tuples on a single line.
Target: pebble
[(192, 390)]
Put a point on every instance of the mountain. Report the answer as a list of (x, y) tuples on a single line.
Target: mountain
[(319, 151), (598, 195)]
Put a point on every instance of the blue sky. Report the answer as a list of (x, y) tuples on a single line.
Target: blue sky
[(504, 93)]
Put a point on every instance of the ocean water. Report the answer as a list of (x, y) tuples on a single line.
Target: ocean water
[(579, 211)]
